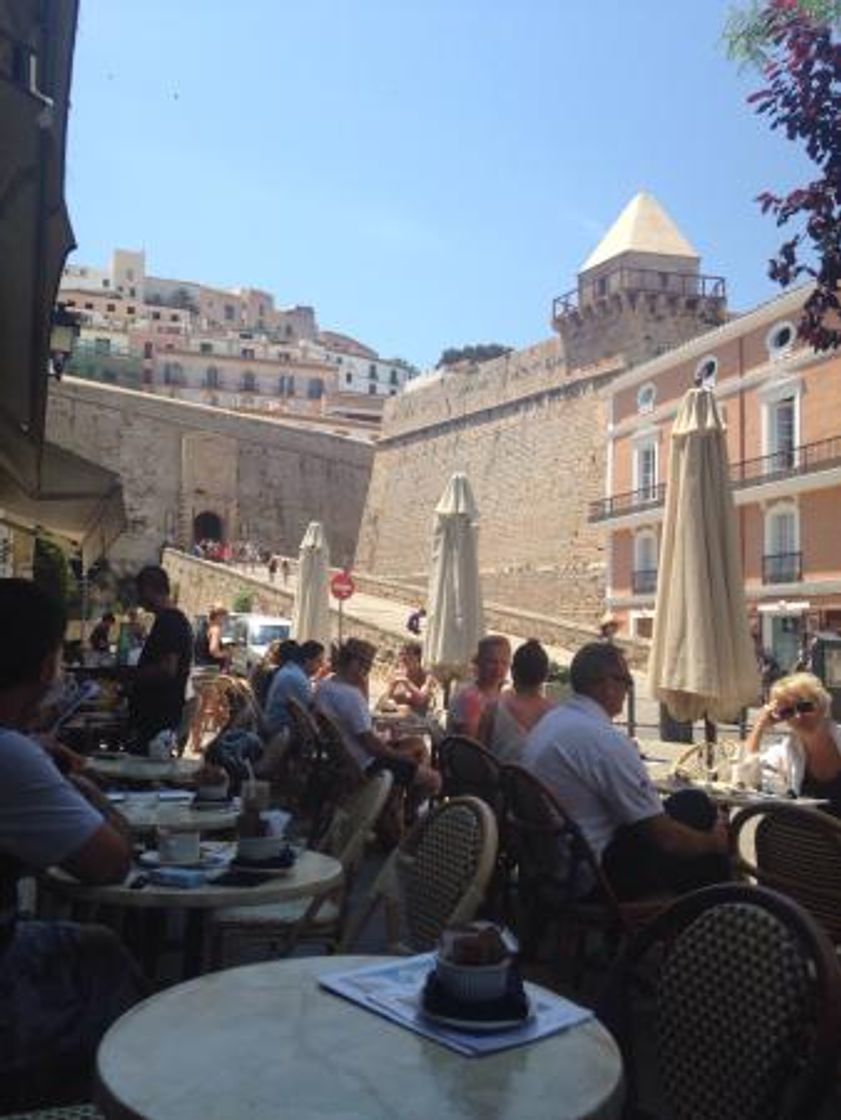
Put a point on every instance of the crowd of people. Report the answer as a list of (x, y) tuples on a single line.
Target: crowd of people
[(50, 815)]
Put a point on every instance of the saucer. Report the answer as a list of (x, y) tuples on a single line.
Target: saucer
[(206, 860), (479, 1026)]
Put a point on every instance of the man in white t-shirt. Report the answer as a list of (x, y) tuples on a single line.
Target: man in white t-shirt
[(61, 984), (343, 697), (597, 775)]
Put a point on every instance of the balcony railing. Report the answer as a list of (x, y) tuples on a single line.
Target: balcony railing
[(637, 280), (782, 567), (805, 459), (644, 581)]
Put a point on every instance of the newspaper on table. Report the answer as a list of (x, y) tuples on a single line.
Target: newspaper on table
[(394, 991)]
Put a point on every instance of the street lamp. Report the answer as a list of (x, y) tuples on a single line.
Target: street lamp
[(63, 334)]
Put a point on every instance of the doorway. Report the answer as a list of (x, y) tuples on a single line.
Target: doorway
[(207, 526)]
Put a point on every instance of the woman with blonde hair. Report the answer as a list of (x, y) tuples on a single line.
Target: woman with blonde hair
[(808, 756)]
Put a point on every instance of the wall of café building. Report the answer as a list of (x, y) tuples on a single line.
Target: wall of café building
[(251, 477), (530, 434)]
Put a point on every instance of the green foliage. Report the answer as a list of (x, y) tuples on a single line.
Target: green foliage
[(51, 571), (558, 674), (749, 34), (242, 601), (483, 352)]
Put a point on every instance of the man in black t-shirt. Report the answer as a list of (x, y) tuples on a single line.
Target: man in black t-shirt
[(160, 680)]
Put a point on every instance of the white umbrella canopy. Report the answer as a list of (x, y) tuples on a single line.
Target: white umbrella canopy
[(311, 609), (702, 658), (455, 619)]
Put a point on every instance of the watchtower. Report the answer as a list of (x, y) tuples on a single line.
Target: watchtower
[(640, 292)]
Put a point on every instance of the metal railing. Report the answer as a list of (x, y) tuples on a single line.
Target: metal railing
[(782, 567), (639, 280), (644, 581), (790, 463)]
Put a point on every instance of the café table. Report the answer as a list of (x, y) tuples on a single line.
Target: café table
[(144, 813), (137, 768), (727, 795), (266, 1042), (312, 874)]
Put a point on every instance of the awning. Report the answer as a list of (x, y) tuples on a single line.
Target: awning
[(77, 501)]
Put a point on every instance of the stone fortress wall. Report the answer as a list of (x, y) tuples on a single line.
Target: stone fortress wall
[(529, 433), (263, 479)]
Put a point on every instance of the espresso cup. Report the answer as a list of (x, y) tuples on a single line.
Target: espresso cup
[(178, 847)]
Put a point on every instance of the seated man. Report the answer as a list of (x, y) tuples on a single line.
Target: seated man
[(344, 697), (597, 775), (61, 984), (292, 681), (411, 684), (159, 683)]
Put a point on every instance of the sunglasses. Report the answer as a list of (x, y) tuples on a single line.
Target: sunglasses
[(800, 707)]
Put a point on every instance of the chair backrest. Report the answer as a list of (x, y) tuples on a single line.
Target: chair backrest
[(747, 1006), (436, 878), (468, 769), (354, 819), (708, 760), (552, 854), (798, 852), (304, 738)]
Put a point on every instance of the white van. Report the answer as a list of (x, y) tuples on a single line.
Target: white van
[(250, 635)]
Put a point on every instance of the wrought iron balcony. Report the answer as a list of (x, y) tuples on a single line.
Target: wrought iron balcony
[(808, 458), (644, 581), (633, 281), (782, 567)]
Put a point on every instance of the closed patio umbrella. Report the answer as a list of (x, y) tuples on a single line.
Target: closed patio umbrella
[(702, 660), (311, 610), (454, 605)]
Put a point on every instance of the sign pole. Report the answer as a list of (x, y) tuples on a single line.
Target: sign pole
[(341, 611)]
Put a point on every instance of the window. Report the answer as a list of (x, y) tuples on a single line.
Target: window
[(102, 345), (372, 372), (645, 469), (249, 383), (348, 378), (706, 372), (372, 390), (173, 373), (392, 392), (205, 347), (395, 377), (156, 315), (148, 350), (782, 432), (230, 312), (175, 318), (781, 562), (247, 352), (110, 307), (88, 307), (130, 274), (290, 385), (211, 378), (130, 310), (288, 331), (780, 339), (132, 292), (601, 286), (315, 389), (644, 575), (106, 283), (646, 396)]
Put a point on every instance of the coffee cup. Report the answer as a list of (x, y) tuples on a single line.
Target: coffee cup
[(176, 846)]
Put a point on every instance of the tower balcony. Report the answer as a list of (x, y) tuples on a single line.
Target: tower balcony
[(629, 282)]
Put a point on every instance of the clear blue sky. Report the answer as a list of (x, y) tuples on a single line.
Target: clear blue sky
[(425, 173)]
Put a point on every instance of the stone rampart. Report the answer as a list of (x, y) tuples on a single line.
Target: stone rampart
[(263, 479), (531, 438)]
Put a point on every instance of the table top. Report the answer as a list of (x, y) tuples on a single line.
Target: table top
[(265, 1042), (137, 768), (145, 815), (312, 874), (723, 793)]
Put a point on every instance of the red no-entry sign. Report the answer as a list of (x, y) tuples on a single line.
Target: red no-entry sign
[(342, 586)]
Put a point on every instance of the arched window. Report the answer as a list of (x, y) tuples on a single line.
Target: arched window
[(646, 396)]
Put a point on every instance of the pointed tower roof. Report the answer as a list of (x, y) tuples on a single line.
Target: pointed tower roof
[(642, 227)]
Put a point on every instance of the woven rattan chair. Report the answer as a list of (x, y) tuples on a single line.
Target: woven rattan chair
[(65, 1112), (747, 1007), (468, 769), (708, 761), (556, 867), (281, 926), (798, 852), (436, 878)]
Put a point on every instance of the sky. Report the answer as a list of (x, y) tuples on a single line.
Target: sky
[(424, 173)]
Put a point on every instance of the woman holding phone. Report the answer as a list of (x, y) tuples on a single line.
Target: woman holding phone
[(808, 755)]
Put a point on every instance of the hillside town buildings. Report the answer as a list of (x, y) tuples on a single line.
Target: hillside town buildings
[(229, 349)]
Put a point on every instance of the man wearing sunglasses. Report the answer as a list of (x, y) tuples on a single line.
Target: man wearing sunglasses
[(807, 760), (596, 773)]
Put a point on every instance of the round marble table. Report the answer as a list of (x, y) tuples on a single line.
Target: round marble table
[(136, 768), (144, 815), (313, 874), (265, 1042)]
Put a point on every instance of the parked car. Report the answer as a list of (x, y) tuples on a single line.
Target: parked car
[(250, 636)]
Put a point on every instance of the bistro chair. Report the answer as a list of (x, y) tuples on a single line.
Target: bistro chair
[(746, 1008), (281, 926), (797, 852), (65, 1112), (437, 877), (469, 769), (559, 879)]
